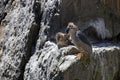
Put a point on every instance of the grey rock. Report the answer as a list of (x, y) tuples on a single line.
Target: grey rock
[(15, 42), (46, 63), (51, 63), (84, 12), (30, 23), (25, 26)]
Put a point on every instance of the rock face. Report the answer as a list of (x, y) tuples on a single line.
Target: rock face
[(15, 45), (28, 55), (104, 65), (47, 63), (25, 22), (51, 63), (113, 4), (85, 12), (2, 29)]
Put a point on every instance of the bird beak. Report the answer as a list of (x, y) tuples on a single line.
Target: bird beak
[(67, 30)]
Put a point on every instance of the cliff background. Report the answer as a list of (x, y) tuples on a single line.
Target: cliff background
[(28, 49)]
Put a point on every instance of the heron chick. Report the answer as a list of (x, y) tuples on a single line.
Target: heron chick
[(79, 40), (62, 39)]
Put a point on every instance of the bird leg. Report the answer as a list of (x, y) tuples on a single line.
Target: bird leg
[(79, 55), (84, 57)]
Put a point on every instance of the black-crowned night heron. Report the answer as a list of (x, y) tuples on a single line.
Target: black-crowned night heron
[(79, 39)]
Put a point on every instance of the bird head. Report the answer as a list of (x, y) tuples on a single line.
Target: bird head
[(71, 28)]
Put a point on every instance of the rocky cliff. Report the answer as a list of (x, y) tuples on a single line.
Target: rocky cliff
[(51, 63), (27, 41), (85, 12)]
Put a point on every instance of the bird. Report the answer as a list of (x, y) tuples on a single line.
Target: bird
[(62, 39), (79, 40)]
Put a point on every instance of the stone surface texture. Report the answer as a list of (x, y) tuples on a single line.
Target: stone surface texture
[(28, 50)]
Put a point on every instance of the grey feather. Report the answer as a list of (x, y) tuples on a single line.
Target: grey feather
[(82, 37)]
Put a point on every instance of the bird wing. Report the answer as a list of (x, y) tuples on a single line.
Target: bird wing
[(82, 37)]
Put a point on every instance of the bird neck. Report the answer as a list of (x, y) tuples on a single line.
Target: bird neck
[(73, 36)]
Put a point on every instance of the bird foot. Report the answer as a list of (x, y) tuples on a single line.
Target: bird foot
[(83, 57), (79, 55)]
